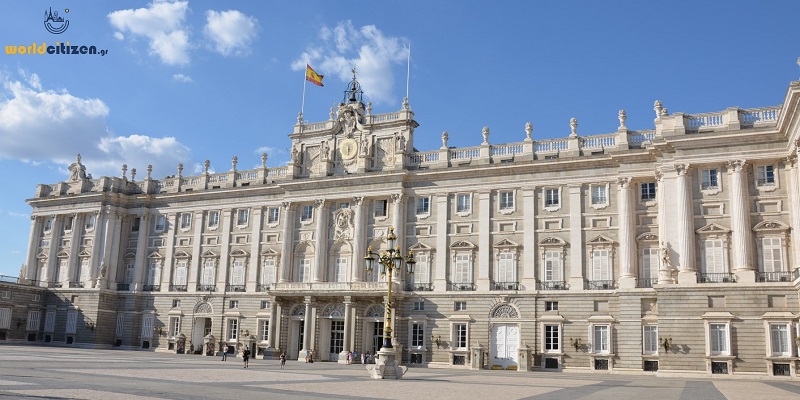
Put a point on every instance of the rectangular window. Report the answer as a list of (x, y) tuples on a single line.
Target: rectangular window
[(68, 224), (176, 303), (234, 304), (33, 320), (120, 329), (600, 339), (160, 223), (599, 194), (766, 175), (460, 306), (129, 272), (5, 318), (380, 208), (340, 272), (649, 263), (213, 219), (50, 321), (551, 338), (268, 272), (264, 304), (264, 330), (551, 198), (779, 340), (186, 220), (419, 306), (601, 270), (463, 203), (718, 339), (648, 191), (242, 216), (650, 339), (237, 272), (552, 266), (147, 326), (209, 272), (507, 200), (90, 221), (304, 272), (460, 336), (135, 225), (423, 205), (273, 215), (308, 213), (174, 326), (417, 335), (181, 271), (462, 268), (773, 254), (233, 329), (422, 268), (153, 273), (506, 268), (709, 179), (714, 257), (551, 306), (72, 322)]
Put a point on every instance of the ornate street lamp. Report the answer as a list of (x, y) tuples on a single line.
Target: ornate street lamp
[(390, 260)]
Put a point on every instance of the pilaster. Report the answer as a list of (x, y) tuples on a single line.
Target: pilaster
[(627, 235), (483, 280), (168, 274), (398, 220), (226, 219), (576, 245), (33, 248), (74, 249), (440, 266), (359, 240), (684, 221), (55, 243), (141, 251), (196, 264), (287, 239), (529, 238), (741, 229), (793, 173), (665, 275), (97, 259), (321, 236), (256, 217)]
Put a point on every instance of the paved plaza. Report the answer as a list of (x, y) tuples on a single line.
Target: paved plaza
[(33, 372)]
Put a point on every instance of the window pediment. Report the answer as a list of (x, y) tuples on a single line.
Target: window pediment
[(41, 255), (420, 247), (647, 237), (771, 226), (600, 241), (552, 241), (84, 254), (462, 245), (129, 256), (62, 254), (155, 254), (713, 228), (506, 244), (239, 253), (269, 253), (209, 254), (180, 254)]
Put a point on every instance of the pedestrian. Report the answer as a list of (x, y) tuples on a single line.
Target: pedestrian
[(283, 359), (311, 357), (246, 357), (355, 357), (349, 355), (224, 352), (363, 358), (308, 355)]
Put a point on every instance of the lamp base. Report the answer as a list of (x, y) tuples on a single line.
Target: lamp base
[(386, 365)]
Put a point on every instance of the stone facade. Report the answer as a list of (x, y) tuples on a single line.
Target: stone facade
[(669, 249)]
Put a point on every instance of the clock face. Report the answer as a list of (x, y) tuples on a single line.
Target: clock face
[(348, 148)]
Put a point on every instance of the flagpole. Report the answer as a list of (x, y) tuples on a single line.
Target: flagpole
[(408, 72), (303, 104)]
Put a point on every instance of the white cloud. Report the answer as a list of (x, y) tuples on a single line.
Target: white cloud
[(19, 215), (366, 48), (50, 127), (231, 32), (162, 23), (182, 78)]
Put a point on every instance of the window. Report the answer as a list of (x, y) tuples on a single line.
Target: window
[(551, 306), (507, 200), (552, 266), (135, 225), (463, 203), (600, 339), (340, 270), (233, 329), (422, 268), (601, 270), (147, 326), (715, 262), (129, 272), (417, 335), (268, 272), (234, 304), (308, 213), (174, 326), (72, 321), (242, 216), (186, 220), (419, 306), (766, 175), (120, 329), (779, 340), (709, 179), (50, 321), (160, 223), (506, 267), (552, 341), (344, 205), (650, 339), (649, 263), (264, 330), (423, 205), (153, 273), (5, 318), (48, 224), (209, 272), (460, 306), (773, 254), (648, 191), (237, 272), (463, 268), (380, 208), (304, 272), (718, 339), (176, 303), (264, 304), (599, 194), (68, 224), (213, 219), (551, 198), (33, 320), (273, 215), (90, 221), (459, 336), (181, 271)]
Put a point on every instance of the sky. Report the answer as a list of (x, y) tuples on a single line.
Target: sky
[(185, 81)]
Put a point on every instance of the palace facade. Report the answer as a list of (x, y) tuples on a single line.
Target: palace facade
[(669, 249)]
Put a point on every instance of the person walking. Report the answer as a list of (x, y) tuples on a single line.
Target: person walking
[(246, 357), (283, 359), (224, 352), (363, 358)]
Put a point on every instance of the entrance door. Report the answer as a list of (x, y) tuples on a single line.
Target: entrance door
[(199, 333), (505, 344), (337, 339), (377, 336)]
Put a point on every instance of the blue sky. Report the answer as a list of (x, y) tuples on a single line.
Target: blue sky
[(194, 80)]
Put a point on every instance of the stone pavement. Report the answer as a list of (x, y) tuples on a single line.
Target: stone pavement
[(34, 372)]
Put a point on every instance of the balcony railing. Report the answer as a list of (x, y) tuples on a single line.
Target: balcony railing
[(552, 285), (460, 287), (235, 288), (718, 277), (262, 287), (419, 287), (54, 284), (178, 288), (9, 279), (123, 286), (796, 273), (206, 288), (74, 284), (647, 283), (331, 286), (151, 288), (602, 285), (773, 277), (505, 286)]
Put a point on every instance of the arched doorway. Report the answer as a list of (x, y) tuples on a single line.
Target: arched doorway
[(504, 340), (332, 332), (202, 325)]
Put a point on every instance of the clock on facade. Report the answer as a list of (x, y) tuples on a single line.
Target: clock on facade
[(348, 148)]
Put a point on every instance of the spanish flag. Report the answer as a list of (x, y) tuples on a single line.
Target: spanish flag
[(313, 77)]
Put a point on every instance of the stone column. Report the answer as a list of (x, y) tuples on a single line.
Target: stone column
[(273, 322), (484, 275), (33, 248), (255, 255), (576, 245), (169, 263), (440, 264), (196, 264), (55, 242), (74, 249), (111, 235), (226, 219), (529, 238), (664, 266), (306, 329), (141, 253), (684, 224), (321, 236), (97, 260), (793, 175), (348, 332), (627, 235), (287, 240), (359, 240), (741, 229), (398, 220)]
